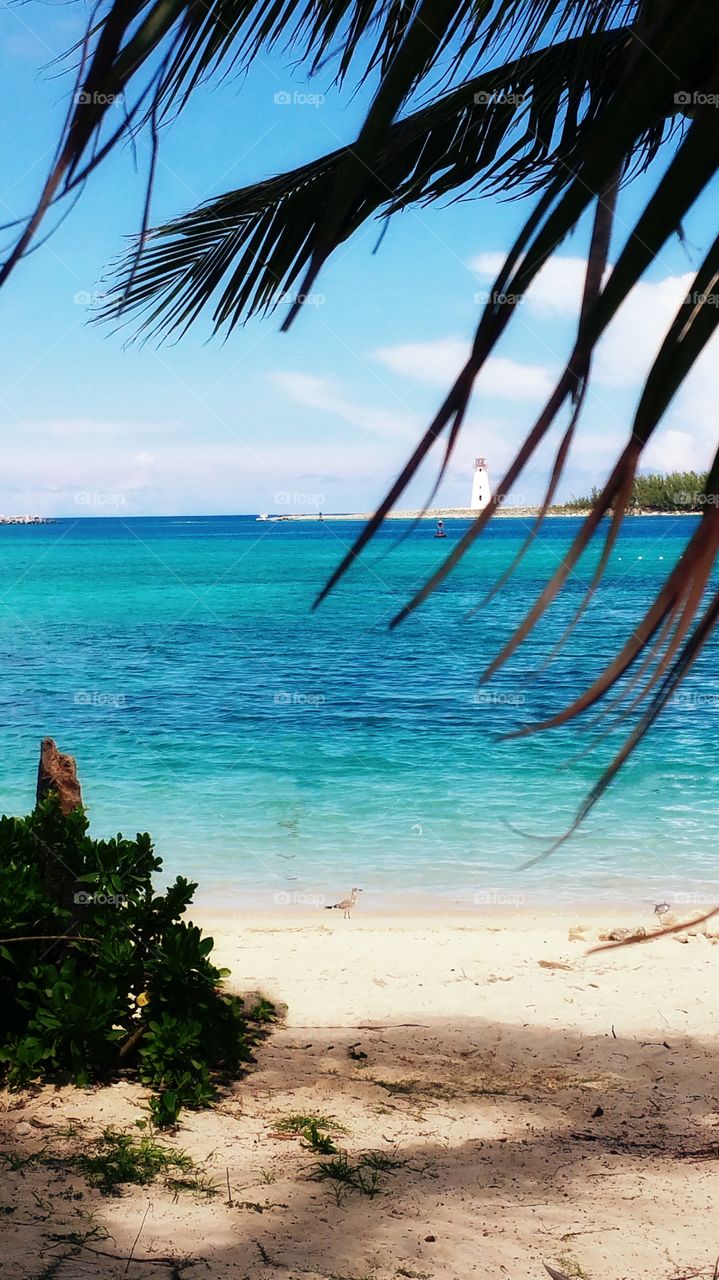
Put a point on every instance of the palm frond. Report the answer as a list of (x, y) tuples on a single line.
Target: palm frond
[(642, 95), (152, 54), (511, 126)]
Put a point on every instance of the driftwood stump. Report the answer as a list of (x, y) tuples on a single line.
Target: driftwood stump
[(58, 772)]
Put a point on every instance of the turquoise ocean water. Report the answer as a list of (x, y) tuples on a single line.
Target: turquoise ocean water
[(280, 756)]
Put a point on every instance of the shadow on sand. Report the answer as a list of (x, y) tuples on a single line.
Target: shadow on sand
[(513, 1146)]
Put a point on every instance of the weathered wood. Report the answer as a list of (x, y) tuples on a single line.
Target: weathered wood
[(58, 772)]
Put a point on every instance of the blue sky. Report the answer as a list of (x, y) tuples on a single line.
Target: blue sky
[(321, 417)]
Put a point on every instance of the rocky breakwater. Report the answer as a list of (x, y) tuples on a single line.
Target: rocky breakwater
[(26, 520)]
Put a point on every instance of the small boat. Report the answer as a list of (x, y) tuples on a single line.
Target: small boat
[(263, 517), (440, 533)]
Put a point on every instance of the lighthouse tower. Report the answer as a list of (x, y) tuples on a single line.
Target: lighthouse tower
[(480, 486)]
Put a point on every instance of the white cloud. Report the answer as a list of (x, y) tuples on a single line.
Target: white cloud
[(322, 393), (438, 363), (673, 450), (687, 437), (626, 352), (70, 469), (557, 289)]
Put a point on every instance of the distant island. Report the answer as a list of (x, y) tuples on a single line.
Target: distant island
[(679, 493)]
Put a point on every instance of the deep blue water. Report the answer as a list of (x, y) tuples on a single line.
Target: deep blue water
[(275, 751)]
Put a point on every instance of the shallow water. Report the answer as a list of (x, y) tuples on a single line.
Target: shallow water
[(278, 754)]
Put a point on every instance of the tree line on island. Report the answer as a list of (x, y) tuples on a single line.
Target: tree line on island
[(685, 492)]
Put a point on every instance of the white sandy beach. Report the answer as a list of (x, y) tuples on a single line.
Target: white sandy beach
[(544, 1105)]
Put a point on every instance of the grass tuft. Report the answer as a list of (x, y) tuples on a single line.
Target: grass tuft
[(16, 1162), (262, 1011), (297, 1123), (314, 1129), (364, 1175), (121, 1158)]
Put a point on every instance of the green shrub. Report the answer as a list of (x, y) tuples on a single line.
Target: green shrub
[(118, 979)]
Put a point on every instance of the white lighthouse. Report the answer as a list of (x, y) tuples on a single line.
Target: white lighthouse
[(480, 486)]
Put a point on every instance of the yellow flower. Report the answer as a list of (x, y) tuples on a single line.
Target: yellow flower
[(143, 999)]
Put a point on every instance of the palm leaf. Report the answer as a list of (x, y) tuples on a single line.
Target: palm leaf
[(152, 54), (497, 130), (637, 100)]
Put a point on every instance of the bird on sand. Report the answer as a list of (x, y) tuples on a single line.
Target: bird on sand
[(346, 905), (662, 909)]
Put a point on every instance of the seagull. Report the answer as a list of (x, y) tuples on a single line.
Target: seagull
[(346, 905), (662, 908)]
